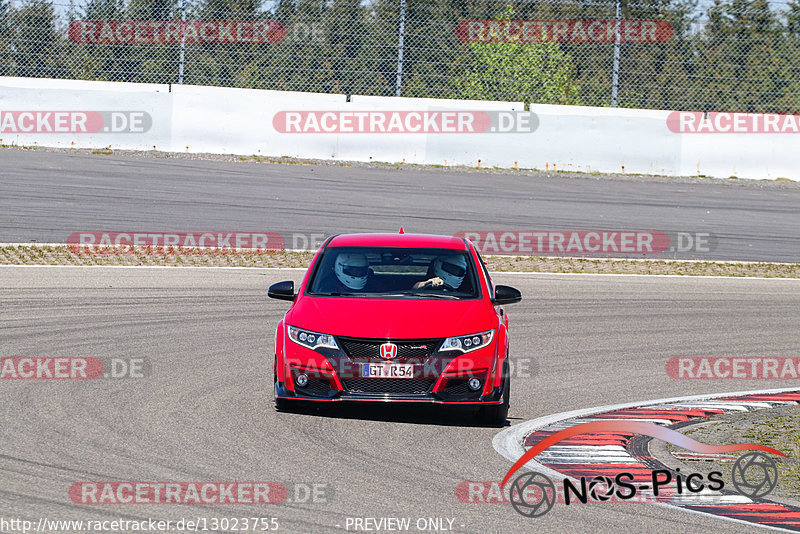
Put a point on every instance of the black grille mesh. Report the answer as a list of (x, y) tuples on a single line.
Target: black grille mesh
[(457, 387), (316, 386), (368, 349), (390, 386)]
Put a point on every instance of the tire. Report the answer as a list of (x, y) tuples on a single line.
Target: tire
[(496, 414)]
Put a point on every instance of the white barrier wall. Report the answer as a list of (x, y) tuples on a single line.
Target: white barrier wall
[(435, 148), (181, 118), (83, 114), (756, 155), (240, 121), (588, 139)]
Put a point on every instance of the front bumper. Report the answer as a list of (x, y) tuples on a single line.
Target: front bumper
[(495, 397), (340, 373)]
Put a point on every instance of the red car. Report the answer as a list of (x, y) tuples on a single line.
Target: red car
[(398, 318)]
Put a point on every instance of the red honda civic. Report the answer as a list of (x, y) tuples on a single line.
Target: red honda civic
[(395, 318)]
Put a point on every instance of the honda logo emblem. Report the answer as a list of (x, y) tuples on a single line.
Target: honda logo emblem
[(388, 351)]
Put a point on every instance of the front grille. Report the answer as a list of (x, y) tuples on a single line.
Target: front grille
[(317, 387), (369, 349), (389, 386)]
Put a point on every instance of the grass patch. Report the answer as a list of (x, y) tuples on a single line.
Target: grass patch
[(283, 160)]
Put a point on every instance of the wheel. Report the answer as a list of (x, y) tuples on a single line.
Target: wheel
[(496, 414)]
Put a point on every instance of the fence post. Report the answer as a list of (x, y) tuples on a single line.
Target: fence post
[(615, 73), (401, 37), (183, 41)]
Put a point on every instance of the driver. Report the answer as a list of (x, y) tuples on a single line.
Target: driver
[(449, 270), (352, 271)]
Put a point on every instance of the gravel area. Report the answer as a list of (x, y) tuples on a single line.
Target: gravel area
[(778, 428), (780, 183), (41, 254)]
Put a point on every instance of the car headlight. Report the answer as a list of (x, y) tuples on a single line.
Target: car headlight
[(468, 343), (311, 340)]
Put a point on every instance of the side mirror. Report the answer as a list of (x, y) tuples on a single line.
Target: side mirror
[(282, 290), (506, 295)]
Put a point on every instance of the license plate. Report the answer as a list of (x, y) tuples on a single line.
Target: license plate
[(387, 370)]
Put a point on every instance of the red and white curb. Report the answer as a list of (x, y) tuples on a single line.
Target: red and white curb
[(606, 454)]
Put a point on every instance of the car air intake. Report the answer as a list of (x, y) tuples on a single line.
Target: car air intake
[(388, 386)]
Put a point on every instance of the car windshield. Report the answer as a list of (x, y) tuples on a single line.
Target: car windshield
[(394, 272)]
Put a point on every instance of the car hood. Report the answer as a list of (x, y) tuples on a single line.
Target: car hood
[(382, 318)]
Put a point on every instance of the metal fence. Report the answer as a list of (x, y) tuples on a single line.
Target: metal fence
[(731, 55)]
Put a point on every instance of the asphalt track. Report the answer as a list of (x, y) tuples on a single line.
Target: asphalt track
[(205, 412), (45, 196)]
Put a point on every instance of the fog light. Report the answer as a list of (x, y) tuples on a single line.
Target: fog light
[(302, 380), (474, 384)]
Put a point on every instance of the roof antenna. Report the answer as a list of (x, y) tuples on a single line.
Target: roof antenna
[(401, 230)]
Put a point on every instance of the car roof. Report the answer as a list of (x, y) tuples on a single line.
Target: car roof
[(398, 240)]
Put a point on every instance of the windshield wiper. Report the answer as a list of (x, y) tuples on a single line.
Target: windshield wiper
[(335, 294), (433, 295)]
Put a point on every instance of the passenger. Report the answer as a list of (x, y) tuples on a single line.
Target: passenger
[(352, 273)]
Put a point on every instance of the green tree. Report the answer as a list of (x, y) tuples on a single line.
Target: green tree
[(744, 55), (431, 48), (793, 18), (656, 74), (327, 49), (222, 64), (102, 61), (153, 62), (37, 49), (792, 100), (6, 35), (530, 72)]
